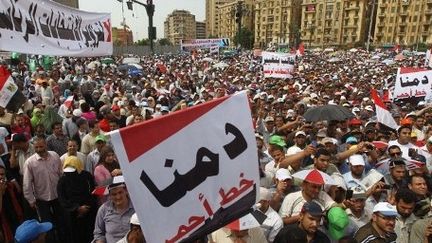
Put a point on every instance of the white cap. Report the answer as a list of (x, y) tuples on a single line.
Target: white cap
[(385, 209), (134, 219), (293, 150), (356, 159), (69, 169), (164, 108), (265, 194), (77, 112), (421, 103), (283, 174), (269, 119), (358, 192), (369, 108), (339, 180), (300, 133), (355, 109)]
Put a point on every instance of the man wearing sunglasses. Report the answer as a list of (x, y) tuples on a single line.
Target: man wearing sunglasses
[(381, 227)]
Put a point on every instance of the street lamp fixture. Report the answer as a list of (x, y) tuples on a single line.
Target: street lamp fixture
[(150, 9)]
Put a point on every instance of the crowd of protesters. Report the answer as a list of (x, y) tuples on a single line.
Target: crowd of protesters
[(55, 149)]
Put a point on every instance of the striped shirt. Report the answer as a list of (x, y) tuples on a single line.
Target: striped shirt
[(368, 234)]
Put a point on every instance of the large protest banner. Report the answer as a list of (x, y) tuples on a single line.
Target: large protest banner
[(193, 171), (49, 28), (412, 83), (204, 43), (277, 65)]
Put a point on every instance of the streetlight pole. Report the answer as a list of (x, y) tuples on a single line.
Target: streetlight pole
[(370, 26), (150, 9), (238, 17)]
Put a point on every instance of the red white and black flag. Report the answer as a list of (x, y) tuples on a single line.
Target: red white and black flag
[(193, 171), (11, 97)]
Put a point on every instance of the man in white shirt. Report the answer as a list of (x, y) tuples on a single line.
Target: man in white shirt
[(356, 174), (72, 150), (293, 202), (356, 210), (273, 223)]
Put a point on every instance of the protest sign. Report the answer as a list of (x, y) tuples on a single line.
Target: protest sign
[(277, 65), (193, 171), (49, 28), (412, 83), (204, 43)]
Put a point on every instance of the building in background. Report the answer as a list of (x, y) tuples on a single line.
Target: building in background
[(122, 36), (213, 16), (180, 25), (405, 22), (70, 3), (201, 30), (228, 27), (277, 22), (334, 23)]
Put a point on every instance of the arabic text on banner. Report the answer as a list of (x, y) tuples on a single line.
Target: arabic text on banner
[(204, 43), (277, 65), (49, 28), (199, 163), (411, 83)]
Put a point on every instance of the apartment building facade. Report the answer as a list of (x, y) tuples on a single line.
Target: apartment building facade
[(180, 25), (334, 22), (276, 21), (404, 22), (213, 16), (228, 26)]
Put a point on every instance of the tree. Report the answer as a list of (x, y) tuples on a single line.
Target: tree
[(143, 42), (164, 42), (245, 38)]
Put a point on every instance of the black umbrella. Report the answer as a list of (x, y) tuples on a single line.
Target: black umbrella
[(328, 113)]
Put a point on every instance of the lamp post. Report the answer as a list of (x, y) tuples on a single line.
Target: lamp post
[(150, 9), (239, 11)]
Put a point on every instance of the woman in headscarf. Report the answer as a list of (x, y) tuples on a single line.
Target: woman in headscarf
[(36, 117), (75, 195), (107, 168)]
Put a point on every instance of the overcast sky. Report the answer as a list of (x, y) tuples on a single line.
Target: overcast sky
[(137, 19)]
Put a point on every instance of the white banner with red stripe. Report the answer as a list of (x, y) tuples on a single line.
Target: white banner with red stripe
[(412, 83), (277, 65), (49, 28), (193, 171)]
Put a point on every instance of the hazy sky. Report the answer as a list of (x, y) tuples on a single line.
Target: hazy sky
[(137, 19)]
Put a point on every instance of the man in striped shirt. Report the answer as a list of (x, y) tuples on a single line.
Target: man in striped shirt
[(381, 227)]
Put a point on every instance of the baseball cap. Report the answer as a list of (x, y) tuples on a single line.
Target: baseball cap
[(355, 121), (321, 134), (356, 159), (329, 140), (134, 219), (337, 222), (269, 119), (283, 174), (312, 208), (19, 137), (258, 135), (385, 209), (100, 137), (30, 230), (115, 108), (118, 181), (369, 108), (396, 161), (358, 192), (164, 108), (300, 133), (77, 112), (339, 180), (351, 140), (277, 140), (265, 194)]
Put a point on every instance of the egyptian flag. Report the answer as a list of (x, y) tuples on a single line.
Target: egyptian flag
[(397, 48), (301, 50), (11, 97), (69, 102), (383, 115)]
